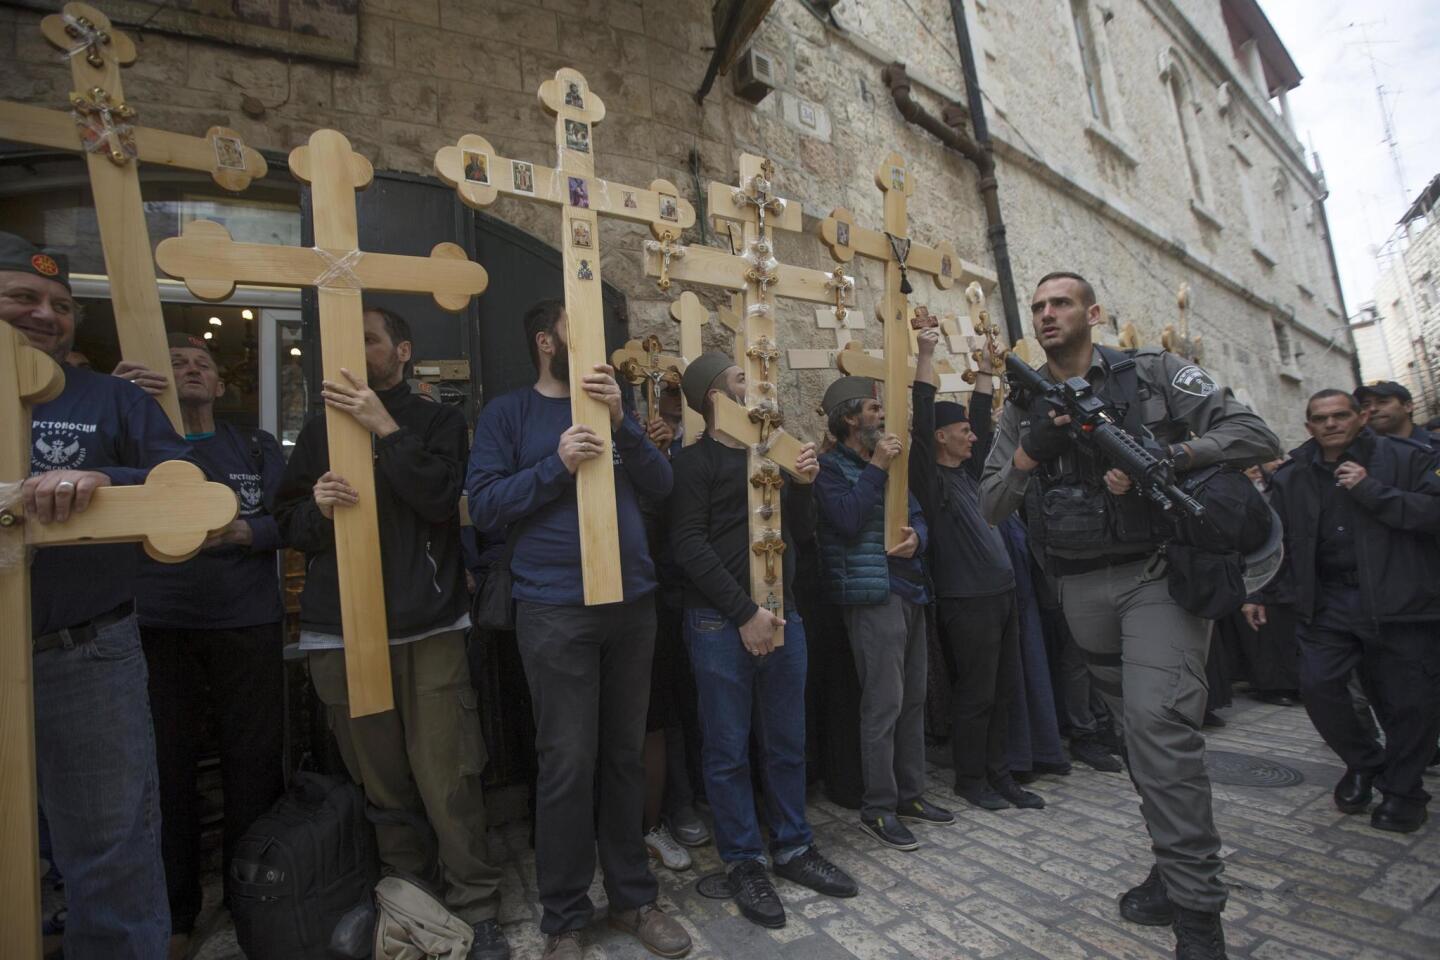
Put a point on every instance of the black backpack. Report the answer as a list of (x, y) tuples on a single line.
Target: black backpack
[(300, 867), (1208, 556)]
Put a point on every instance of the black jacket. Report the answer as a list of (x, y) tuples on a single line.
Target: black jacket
[(1396, 520), (419, 470)]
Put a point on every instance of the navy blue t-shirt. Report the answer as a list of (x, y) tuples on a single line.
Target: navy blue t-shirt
[(109, 425), (231, 586), (516, 477)]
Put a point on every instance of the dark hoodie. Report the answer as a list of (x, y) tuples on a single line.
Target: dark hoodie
[(418, 474)]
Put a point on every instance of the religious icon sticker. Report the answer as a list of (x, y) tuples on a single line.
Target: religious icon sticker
[(477, 167), (630, 203), (577, 136), (579, 233), (842, 233), (579, 193), (947, 266), (229, 152), (669, 208), (573, 97), (585, 273), (897, 178), (522, 175)]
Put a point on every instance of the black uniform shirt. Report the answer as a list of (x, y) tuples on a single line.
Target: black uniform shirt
[(1335, 549)]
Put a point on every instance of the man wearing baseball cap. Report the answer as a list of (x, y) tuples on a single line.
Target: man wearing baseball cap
[(213, 644), (739, 673), (94, 744), (1391, 410), (882, 595)]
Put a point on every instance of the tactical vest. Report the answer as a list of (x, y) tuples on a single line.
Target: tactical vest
[(1067, 508)]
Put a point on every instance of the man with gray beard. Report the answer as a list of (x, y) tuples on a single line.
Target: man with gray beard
[(882, 595)]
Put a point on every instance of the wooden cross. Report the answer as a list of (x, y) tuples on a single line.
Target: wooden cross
[(101, 125), (172, 513), (211, 264), (479, 175), (894, 248), (1176, 337), (991, 343), (691, 315), (644, 363), (756, 280)]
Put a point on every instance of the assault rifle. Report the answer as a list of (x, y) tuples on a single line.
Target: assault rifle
[(1091, 422)]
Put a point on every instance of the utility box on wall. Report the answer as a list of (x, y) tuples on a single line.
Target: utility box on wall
[(754, 75)]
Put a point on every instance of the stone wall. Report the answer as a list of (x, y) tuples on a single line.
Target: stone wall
[(1112, 200)]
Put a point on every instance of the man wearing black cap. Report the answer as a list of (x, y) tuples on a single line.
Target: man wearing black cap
[(423, 759), (1391, 410), (739, 673), (211, 629), (882, 595), (974, 585), (95, 747)]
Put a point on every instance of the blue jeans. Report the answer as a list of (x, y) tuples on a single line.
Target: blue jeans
[(737, 690), (95, 758)]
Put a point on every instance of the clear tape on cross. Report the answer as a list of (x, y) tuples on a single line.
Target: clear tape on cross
[(12, 549), (86, 35), (97, 135), (339, 272)]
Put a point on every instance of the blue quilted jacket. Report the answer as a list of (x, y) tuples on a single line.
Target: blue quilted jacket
[(850, 501)]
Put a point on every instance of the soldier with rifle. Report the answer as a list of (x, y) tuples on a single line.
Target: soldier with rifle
[(1097, 483)]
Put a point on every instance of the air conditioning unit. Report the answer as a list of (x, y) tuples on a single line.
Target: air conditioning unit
[(754, 75)]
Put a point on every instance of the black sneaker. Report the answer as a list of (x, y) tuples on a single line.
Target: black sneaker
[(1198, 935), (1040, 767), (1148, 904), (755, 895), (921, 810), (981, 795), (489, 943), (1093, 754), (810, 869), (1021, 798), (890, 831)]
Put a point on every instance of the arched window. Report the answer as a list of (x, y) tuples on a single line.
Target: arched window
[(1182, 97)]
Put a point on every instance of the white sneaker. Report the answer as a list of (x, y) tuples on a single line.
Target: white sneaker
[(663, 847)]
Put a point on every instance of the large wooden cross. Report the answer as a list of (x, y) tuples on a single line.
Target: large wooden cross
[(101, 125), (479, 175), (760, 280), (172, 513), (645, 364), (894, 248), (211, 264)]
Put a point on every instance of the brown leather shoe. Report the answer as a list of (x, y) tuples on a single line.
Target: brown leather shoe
[(563, 946), (660, 934)]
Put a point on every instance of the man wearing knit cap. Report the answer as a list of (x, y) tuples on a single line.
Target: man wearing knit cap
[(211, 631), (739, 673), (882, 595), (975, 588), (94, 743)]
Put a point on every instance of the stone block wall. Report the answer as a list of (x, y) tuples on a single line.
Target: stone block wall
[(432, 70)]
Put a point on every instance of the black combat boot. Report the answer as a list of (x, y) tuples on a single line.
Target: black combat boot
[(1198, 935), (1148, 904)]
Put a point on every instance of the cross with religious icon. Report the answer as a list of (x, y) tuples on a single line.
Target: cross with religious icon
[(479, 175), (101, 125), (645, 364), (894, 247), (756, 279), (171, 513), (691, 314), (211, 264)]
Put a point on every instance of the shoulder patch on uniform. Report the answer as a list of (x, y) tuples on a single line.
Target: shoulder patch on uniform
[(1194, 381)]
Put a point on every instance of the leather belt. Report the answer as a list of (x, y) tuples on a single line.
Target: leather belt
[(1073, 566), (84, 632)]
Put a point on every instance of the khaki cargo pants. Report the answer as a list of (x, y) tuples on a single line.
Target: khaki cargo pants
[(1147, 657), (423, 758)]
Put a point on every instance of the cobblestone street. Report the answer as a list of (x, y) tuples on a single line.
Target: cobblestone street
[(1305, 881)]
